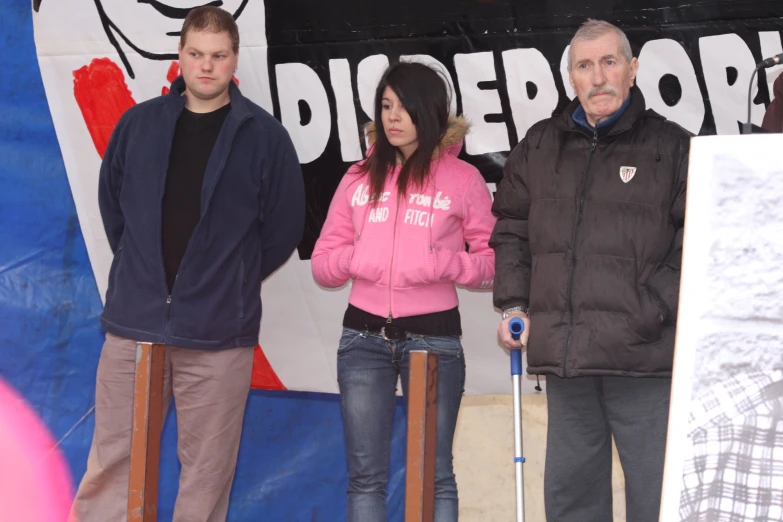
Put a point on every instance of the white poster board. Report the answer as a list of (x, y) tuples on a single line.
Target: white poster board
[(730, 319)]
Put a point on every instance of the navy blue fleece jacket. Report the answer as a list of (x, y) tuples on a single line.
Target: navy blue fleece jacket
[(252, 218)]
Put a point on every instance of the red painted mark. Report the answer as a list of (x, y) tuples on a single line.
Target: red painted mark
[(171, 76), (173, 72), (102, 95), (264, 376)]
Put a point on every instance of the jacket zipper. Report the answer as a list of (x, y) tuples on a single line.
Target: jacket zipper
[(168, 316), (573, 253), (189, 246), (160, 241), (391, 263)]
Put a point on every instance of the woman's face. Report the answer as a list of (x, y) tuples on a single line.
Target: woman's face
[(397, 124)]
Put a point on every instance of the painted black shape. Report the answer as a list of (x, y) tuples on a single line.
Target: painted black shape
[(178, 13), (494, 118), (760, 97), (731, 75), (110, 28), (532, 90), (305, 114), (489, 85), (107, 27), (670, 88), (36, 5)]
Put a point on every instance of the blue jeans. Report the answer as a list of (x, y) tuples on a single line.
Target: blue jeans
[(367, 371)]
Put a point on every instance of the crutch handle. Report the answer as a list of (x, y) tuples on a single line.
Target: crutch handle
[(516, 326)]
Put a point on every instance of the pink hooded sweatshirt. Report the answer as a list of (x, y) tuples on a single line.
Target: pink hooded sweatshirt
[(406, 255)]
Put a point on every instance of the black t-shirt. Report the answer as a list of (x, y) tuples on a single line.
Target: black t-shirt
[(194, 138)]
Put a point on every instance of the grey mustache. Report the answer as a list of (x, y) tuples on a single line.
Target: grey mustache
[(601, 90)]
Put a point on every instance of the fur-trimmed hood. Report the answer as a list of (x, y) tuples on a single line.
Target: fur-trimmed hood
[(450, 143)]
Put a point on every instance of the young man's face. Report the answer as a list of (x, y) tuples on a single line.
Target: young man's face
[(154, 26), (207, 62)]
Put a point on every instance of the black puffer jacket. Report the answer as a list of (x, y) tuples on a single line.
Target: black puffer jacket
[(595, 256)]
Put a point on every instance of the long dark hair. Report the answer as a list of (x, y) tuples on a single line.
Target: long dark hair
[(424, 95)]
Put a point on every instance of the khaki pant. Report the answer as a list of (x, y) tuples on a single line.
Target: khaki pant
[(210, 391)]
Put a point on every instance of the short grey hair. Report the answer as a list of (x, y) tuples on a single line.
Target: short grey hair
[(594, 29)]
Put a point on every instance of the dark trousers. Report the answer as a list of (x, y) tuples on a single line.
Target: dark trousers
[(584, 414)]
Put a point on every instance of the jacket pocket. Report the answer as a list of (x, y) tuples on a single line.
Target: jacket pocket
[(371, 258), (241, 288), (649, 325), (415, 265), (112, 289)]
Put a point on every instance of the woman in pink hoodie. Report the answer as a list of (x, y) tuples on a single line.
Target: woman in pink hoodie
[(398, 227)]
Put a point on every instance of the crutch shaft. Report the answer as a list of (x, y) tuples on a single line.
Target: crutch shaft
[(518, 458)]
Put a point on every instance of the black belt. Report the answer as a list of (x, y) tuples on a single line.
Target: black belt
[(390, 333)]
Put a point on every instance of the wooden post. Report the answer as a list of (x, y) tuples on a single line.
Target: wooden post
[(422, 437), (147, 426)]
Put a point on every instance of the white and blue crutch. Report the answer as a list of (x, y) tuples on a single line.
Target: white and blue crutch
[(516, 326)]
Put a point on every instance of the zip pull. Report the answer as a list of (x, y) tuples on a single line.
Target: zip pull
[(595, 139), (168, 300), (389, 320)]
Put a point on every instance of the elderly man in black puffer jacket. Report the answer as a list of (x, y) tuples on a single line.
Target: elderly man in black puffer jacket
[(588, 246)]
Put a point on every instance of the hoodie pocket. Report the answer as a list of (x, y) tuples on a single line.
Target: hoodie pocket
[(415, 264), (372, 257)]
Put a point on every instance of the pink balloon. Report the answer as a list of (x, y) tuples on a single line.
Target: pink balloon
[(35, 485)]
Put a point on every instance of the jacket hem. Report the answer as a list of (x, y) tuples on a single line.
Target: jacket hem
[(427, 299), (142, 336), (580, 372)]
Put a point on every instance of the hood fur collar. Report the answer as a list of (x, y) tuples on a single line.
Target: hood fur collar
[(451, 141)]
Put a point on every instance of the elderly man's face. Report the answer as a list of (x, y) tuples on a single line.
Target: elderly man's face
[(601, 76), (154, 26)]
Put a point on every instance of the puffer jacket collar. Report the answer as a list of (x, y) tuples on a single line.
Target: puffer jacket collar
[(632, 115)]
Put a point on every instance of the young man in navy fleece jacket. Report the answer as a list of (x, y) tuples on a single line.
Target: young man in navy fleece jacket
[(202, 198)]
